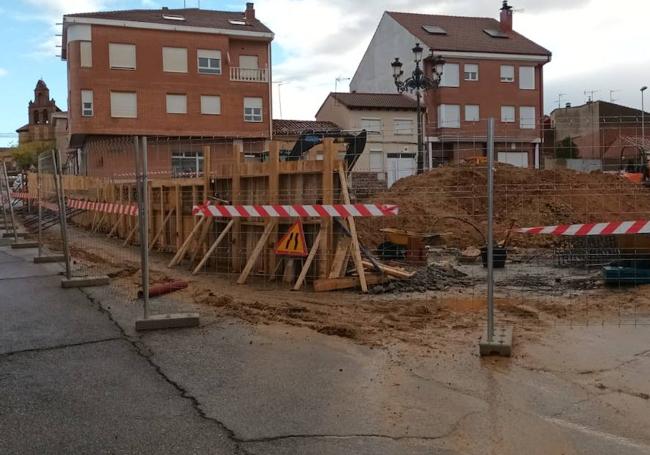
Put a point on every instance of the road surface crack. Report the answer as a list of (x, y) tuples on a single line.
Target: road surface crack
[(59, 346)]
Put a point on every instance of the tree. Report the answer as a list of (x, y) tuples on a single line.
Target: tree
[(26, 155), (566, 149)]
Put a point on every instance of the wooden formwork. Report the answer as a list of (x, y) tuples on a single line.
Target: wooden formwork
[(228, 180)]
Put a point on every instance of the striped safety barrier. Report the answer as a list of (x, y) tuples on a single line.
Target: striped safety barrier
[(22, 195), (104, 207), (293, 211), (583, 230)]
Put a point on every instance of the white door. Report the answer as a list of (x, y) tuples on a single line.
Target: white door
[(400, 165), (519, 159)]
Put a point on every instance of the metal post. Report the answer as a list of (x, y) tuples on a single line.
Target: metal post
[(40, 207), (643, 117), (58, 186), (4, 211), (11, 207), (490, 232), (420, 160), (143, 204)]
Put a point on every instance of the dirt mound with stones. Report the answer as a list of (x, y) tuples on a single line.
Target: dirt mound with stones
[(452, 201)]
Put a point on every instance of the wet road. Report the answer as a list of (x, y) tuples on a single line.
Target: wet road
[(71, 363)]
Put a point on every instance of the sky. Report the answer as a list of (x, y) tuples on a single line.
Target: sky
[(596, 44)]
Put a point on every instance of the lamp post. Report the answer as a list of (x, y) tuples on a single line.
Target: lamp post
[(643, 89), (418, 83)]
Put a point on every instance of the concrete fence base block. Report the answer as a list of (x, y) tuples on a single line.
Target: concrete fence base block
[(85, 282), (6, 242), (10, 234), (48, 259), (168, 321), (501, 344), (24, 245)]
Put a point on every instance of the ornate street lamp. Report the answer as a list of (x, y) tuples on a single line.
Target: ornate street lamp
[(418, 83)]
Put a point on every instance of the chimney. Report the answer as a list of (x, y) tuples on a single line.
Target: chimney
[(249, 14), (506, 17)]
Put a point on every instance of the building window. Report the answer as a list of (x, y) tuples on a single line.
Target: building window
[(527, 77), (376, 160), (86, 103), (252, 109), (174, 59), (209, 62), (450, 76), (403, 126), (507, 73), (86, 54), (527, 118), (210, 105), (124, 105), (177, 104), (471, 72), (371, 125), (121, 56), (472, 113), (449, 116), (507, 114), (187, 164)]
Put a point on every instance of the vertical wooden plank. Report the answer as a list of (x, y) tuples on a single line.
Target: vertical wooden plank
[(327, 188), (178, 206), (238, 153), (274, 198), (356, 250)]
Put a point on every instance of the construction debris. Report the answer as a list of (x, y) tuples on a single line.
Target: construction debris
[(431, 278)]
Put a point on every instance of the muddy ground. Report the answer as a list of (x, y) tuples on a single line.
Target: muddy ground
[(532, 294)]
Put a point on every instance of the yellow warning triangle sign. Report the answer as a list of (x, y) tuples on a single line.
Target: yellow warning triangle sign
[(293, 242)]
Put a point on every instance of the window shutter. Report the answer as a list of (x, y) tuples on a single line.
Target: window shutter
[(121, 56), (527, 118), (248, 61), (86, 55), (449, 116), (527, 78), (450, 75), (174, 59), (210, 105), (87, 103), (124, 105), (177, 104)]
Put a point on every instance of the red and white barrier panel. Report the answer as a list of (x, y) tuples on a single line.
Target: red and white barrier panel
[(104, 207), (583, 230), (23, 196), (294, 211)]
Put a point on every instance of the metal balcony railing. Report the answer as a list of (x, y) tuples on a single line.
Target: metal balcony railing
[(248, 74)]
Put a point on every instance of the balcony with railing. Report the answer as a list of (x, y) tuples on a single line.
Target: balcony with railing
[(249, 74)]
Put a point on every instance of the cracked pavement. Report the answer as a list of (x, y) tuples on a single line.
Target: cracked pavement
[(76, 378)]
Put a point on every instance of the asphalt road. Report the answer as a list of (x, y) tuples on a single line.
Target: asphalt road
[(76, 378)]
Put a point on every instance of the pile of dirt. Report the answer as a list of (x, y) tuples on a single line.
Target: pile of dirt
[(452, 200), (430, 278)]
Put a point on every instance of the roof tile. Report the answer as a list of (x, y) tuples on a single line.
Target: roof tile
[(466, 34)]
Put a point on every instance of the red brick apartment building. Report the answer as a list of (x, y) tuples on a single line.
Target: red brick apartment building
[(170, 73), (490, 70)]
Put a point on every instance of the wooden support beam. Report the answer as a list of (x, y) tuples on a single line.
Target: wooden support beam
[(356, 251), (252, 260), (392, 271), (341, 257), (238, 153), (214, 246), (274, 196), (327, 188), (178, 208), (308, 261), (348, 282), (200, 241), (180, 254), (161, 229), (116, 226), (131, 234)]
